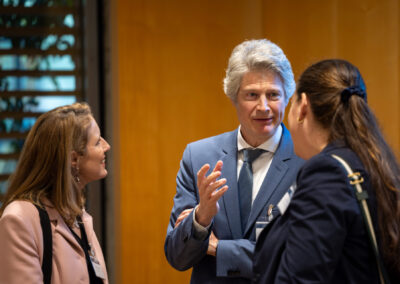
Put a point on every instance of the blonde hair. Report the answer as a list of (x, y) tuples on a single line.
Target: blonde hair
[(44, 167)]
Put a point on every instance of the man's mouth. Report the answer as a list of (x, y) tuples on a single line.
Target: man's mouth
[(263, 118)]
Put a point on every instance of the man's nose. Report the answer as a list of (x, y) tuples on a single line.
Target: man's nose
[(262, 103)]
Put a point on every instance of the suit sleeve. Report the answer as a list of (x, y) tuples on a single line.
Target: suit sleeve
[(321, 210), (19, 261), (182, 248), (234, 258)]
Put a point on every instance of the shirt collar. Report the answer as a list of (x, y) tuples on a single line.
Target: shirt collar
[(270, 145)]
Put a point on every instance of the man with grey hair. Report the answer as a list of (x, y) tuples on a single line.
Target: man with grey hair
[(216, 217)]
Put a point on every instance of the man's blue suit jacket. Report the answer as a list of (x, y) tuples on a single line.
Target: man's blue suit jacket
[(233, 263)]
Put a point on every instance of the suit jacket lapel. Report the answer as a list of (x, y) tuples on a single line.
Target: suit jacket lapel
[(61, 227), (231, 199), (275, 174)]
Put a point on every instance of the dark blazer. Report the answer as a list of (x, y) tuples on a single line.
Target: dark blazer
[(321, 238), (233, 263)]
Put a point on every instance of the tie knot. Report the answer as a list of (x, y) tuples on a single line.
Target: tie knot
[(249, 155)]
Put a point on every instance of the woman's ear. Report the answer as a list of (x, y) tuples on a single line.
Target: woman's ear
[(304, 105), (74, 159)]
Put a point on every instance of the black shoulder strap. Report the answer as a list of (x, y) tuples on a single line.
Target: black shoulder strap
[(84, 243), (47, 245)]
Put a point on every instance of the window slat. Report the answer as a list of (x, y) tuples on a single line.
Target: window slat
[(3, 178), (36, 31), (34, 52), (13, 135), (13, 156), (39, 73), (40, 11), (19, 94)]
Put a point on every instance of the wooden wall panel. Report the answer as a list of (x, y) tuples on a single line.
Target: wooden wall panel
[(169, 59), (365, 32)]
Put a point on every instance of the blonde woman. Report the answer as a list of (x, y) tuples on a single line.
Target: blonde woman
[(62, 153)]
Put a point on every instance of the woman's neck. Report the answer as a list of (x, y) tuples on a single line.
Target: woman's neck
[(317, 139)]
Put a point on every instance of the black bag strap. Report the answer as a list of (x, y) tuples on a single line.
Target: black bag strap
[(83, 242), (355, 181), (47, 245)]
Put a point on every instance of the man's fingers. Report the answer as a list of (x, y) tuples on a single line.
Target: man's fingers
[(186, 211), (201, 175), (182, 216), (202, 172), (203, 181), (218, 166), (215, 185), (216, 195), (212, 178), (205, 184)]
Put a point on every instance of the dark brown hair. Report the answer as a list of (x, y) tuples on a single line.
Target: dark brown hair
[(44, 167), (352, 121)]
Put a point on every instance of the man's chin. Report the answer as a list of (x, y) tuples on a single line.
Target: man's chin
[(267, 131)]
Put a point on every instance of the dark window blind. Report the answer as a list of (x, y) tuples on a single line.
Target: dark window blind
[(41, 67)]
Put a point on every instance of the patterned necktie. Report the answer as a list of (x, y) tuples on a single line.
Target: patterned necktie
[(245, 184)]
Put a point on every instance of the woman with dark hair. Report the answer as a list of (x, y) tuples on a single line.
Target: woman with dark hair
[(62, 153), (322, 237)]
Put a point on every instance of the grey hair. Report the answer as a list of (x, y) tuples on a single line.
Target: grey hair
[(255, 55)]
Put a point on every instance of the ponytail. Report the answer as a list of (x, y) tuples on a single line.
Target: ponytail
[(337, 95)]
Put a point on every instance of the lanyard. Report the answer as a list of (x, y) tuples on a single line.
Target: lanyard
[(83, 242)]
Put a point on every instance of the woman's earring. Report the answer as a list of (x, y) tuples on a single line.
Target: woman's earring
[(300, 121), (76, 175)]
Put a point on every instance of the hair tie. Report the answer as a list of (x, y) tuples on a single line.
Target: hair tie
[(353, 90)]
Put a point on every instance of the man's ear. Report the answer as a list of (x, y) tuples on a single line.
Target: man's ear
[(304, 105), (74, 159), (233, 102)]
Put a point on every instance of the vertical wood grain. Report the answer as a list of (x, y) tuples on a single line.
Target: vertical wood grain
[(364, 32)]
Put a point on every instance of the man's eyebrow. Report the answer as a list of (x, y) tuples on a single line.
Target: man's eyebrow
[(272, 88)]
